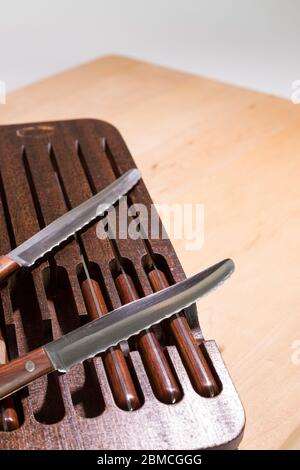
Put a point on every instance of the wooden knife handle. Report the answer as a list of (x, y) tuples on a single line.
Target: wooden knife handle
[(20, 372), (10, 420), (7, 267), (9, 417), (160, 375), (192, 357), (119, 376)]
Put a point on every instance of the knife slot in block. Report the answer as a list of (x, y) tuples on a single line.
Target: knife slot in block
[(200, 371), (44, 394), (122, 381), (163, 381), (83, 381), (10, 408)]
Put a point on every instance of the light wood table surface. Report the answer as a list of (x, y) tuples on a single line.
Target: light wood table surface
[(237, 152)]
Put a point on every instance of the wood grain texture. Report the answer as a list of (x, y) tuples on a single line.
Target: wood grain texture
[(237, 152), (18, 373)]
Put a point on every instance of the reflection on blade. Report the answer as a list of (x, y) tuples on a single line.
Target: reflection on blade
[(71, 222), (130, 319)]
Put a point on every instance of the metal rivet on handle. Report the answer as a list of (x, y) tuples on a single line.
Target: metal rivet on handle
[(30, 366)]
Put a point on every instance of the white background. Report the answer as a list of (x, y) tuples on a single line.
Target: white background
[(253, 43)]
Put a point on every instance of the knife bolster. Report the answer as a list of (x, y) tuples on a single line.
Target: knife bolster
[(20, 372), (7, 267)]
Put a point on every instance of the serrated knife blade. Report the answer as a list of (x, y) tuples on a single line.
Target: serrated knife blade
[(67, 225), (107, 331)]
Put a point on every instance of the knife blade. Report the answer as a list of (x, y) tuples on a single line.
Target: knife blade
[(67, 225), (107, 331)]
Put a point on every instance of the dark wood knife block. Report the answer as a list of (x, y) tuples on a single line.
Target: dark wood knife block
[(41, 166)]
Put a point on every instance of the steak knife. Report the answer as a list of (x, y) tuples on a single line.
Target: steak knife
[(67, 225), (108, 331)]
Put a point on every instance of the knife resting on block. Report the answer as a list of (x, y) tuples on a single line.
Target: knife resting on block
[(108, 331)]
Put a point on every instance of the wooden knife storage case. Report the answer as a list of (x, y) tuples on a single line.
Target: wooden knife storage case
[(47, 168)]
